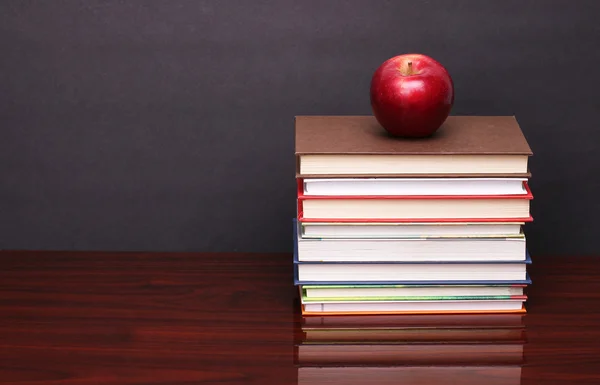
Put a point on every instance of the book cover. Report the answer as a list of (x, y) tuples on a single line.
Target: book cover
[(297, 281), (459, 135), (452, 201), (497, 138)]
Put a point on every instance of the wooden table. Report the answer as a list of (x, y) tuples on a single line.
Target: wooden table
[(79, 318)]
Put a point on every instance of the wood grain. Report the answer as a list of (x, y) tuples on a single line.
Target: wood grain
[(79, 318)]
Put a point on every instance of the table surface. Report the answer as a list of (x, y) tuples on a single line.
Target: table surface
[(79, 318)]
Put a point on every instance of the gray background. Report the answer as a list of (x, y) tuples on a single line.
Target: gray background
[(168, 125)]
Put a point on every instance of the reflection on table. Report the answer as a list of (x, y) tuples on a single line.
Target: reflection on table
[(412, 349)]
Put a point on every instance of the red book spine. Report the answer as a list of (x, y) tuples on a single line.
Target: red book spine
[(301, 197)]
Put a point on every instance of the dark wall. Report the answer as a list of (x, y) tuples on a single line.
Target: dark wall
[(168, 125)]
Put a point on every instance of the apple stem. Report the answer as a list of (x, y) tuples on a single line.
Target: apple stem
[(406, 68)]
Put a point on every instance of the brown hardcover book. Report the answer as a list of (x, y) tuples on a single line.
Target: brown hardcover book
[(357, 146)]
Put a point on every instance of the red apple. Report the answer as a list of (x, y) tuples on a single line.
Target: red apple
[(411, 95)]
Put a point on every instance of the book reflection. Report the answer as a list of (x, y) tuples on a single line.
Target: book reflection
[(411, 349)]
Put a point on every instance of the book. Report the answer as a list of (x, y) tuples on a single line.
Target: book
[(413, 186), (434, 208), (407, 230), (513, 304), (401, 272), (411, 250), (404, 272), (411, 297), (475, 146), (383, 291)]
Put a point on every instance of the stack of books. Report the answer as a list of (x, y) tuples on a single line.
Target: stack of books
[(391, 225), (392, 349)]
